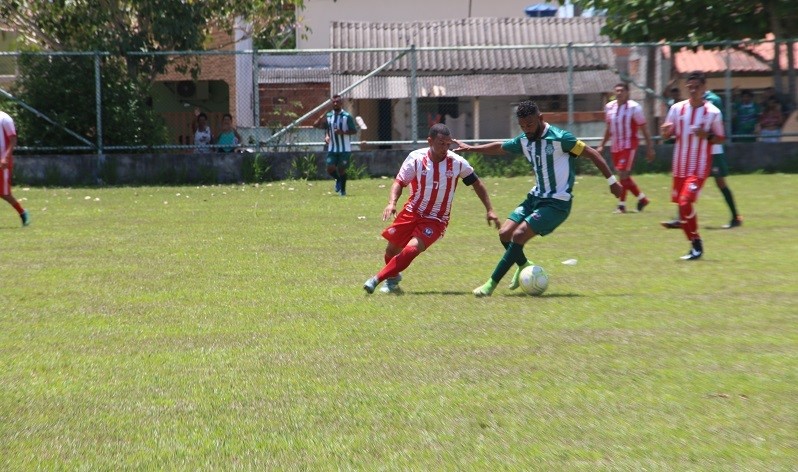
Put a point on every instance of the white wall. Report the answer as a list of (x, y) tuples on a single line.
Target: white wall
[(318, 14)]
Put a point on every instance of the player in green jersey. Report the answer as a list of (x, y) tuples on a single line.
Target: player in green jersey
[(552, 153)]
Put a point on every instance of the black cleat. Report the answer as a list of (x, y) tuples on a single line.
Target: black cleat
[(672, 224), (736, 222), (642, 203), (695, 252)]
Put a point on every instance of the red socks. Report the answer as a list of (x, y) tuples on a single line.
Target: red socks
[(630, 185), (398, 263), (689, 219)]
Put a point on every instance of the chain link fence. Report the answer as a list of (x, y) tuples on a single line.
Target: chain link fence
[(99, 103)]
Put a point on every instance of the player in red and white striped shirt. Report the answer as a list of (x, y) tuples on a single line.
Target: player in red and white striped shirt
[(697, 125), (624, 117), (8, 140), (432, 174)]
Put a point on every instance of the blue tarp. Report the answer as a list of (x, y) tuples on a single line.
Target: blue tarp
[(540, 10)]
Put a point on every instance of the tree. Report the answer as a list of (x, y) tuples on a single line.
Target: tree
[(696, 21), (120, 27)]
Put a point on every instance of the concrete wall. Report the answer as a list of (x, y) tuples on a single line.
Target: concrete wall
[(147, 169)]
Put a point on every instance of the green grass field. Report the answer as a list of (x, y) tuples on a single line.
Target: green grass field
[(225, 327)]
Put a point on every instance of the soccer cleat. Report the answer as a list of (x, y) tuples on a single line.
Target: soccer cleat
[(342, 193), (736, 222), (337, 186), (642, 203), (485, 290), (620, 209), (514, 282), (695, 252), (672, 224), (25, 218), (371, 284), (392, 285)]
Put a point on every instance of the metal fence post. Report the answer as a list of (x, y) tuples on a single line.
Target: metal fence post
[(256, 89), (98, 98), (727, 112), (413, 94), (570, 51)]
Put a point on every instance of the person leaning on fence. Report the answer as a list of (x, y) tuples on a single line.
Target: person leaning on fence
[(8, 141), (339, 126), (203, 136), (746, 117), (228, 139), (771, 121)]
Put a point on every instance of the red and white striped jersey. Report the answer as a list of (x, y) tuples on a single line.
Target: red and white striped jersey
[(623, 122), (432, 185), (691, 154), (7, 130)]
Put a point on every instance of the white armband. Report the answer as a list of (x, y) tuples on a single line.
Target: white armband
[(612, 180)]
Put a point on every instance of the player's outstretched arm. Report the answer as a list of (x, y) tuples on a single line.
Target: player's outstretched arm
[(489, 149), (482, 193)]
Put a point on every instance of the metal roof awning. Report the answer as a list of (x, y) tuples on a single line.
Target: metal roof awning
[(485, 85)]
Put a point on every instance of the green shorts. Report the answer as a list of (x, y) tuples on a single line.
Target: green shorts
[(720, 167), (338, 159), (543, 215)]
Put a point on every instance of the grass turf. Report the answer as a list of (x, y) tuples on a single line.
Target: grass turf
[(225, 327)]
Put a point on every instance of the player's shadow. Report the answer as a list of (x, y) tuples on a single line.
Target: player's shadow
[(469, 293)]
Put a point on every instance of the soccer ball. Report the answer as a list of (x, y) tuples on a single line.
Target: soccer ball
[(534, 280)]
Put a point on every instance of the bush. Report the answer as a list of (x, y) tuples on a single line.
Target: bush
[(61, 87), (305, 167), (499, 166)]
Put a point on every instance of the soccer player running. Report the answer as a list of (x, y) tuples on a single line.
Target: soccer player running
[(8, 141), (720, 170), (552, 152), (432, 174), (624, 117), (697, 126), (339, 127)]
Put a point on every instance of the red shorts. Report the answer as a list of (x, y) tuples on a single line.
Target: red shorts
[(624, 160), (5, 179), (686, 188), (409, 225)]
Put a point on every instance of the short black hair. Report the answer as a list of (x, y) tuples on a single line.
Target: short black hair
[(625, 85), (439, 128), (202, 115), (527, 108), (227, 115), (747, 92), (697, 75)]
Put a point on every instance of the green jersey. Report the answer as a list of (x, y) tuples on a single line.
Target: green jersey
[(714, 99), (553, 160), (342, 121)]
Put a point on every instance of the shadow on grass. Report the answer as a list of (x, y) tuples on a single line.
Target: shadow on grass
[(514, 295)]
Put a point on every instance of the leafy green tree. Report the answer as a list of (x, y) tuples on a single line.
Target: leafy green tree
[(66, 91), (696, 20)]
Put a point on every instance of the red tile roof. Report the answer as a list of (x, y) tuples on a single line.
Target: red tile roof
[(715, 61)]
